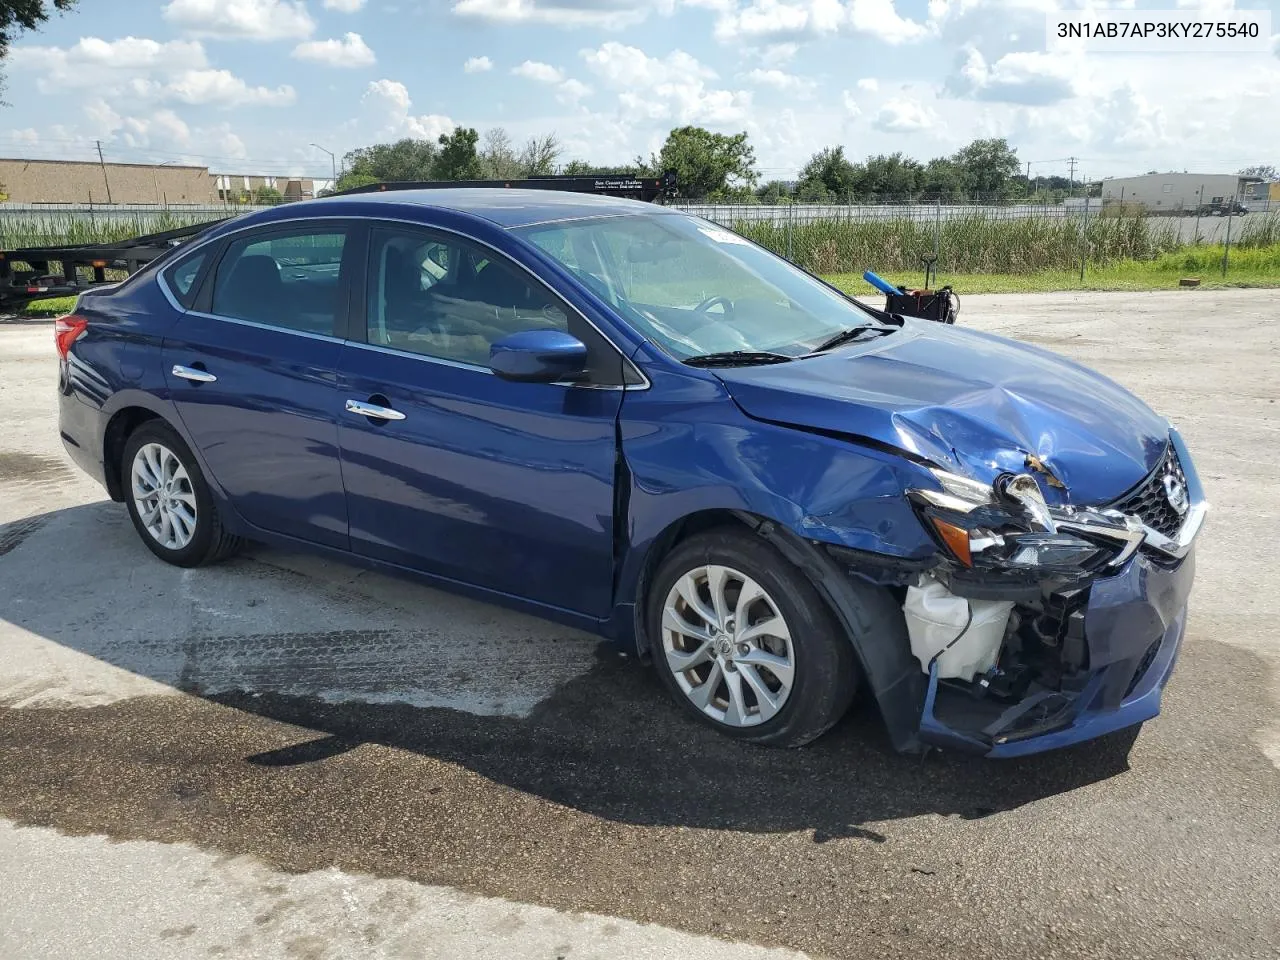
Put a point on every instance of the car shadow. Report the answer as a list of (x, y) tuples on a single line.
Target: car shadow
[(608, 741)]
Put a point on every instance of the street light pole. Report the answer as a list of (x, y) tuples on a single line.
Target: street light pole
[(333, 163)]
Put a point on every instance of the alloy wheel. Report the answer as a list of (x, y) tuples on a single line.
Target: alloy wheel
[(163, 496), (728, 646)]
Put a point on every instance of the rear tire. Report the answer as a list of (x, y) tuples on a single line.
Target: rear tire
[(169, 500), (745, 643)]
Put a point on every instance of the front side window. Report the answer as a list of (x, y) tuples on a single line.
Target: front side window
[(445, 298), (181, 278), (697, 288), (290, 280)]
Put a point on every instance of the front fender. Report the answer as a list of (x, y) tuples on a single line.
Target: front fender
[(689, 449)]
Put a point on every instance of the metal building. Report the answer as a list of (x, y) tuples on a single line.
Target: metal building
[(1173, 192)]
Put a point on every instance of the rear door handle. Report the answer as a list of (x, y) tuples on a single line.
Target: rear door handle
[(192, 374), (365, 409)]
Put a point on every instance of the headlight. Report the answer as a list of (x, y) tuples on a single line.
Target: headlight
[(1009, 526)]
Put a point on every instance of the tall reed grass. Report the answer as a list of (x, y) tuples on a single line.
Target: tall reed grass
[(976, 243)]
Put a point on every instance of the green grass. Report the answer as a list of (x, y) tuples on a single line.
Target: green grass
[(72, 227), (1255, 267), (977, 243), (53, 307)]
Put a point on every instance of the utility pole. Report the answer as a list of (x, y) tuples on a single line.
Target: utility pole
[(1071, 175), (102, 163), (333, 164)]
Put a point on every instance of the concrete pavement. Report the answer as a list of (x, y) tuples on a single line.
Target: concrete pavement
[(290, 757)]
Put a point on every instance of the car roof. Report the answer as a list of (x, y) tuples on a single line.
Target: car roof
[(509, 207)]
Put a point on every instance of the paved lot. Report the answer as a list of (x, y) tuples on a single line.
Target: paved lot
[(361, 766)]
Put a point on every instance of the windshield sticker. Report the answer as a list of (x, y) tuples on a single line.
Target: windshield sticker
[(722, 236)]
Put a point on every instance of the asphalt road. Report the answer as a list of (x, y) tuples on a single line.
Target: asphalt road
[(283, 757)]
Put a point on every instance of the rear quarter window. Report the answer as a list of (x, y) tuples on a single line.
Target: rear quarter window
[(181, 278)]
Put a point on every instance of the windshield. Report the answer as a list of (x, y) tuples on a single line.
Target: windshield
[(696, 288)]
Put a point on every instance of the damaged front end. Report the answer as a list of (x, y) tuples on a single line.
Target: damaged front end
[(1043, 625)]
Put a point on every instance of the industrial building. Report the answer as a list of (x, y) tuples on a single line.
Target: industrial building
[(1174, 192), (77, 181)]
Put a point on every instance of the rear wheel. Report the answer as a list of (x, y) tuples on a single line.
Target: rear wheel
[(169, 500), (743, 640)]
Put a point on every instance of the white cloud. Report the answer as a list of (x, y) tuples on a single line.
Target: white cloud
[(568, 90), (777, 54), (389, 100), (571, 91), (140, 70), (159, 128), (781, 80), (869, 84), (1032, 78), (539, 72), (673, 88), (344, 6), (607, 14), (850, 103), (780, 20), (1124, 120), (477, 65), (905, 115), (350, 51), (91, 61), (241, 19), (223, 89)]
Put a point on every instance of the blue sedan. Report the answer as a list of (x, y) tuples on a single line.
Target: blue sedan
[(636, 422)]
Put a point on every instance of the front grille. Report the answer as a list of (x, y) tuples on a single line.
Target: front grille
[(1150, 503)]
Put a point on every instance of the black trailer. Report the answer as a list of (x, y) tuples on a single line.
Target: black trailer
[(80, 266), (648, 189)]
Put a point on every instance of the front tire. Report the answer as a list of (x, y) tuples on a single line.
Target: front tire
[(743, 640), (169, 500)]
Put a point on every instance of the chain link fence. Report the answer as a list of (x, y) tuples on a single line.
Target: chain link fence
[(978, 238), (966, 238)]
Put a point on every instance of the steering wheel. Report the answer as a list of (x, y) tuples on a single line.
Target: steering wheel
[(710, 302)]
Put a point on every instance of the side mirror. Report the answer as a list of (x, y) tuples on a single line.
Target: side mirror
[(539, 356)]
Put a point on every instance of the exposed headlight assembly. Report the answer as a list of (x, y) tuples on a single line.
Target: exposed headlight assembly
[(1009, 526)]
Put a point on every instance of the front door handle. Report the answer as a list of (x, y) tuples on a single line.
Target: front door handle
[(364, 409), (193, 374)]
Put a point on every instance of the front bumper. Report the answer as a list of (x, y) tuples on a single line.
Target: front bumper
[(1134, 625)]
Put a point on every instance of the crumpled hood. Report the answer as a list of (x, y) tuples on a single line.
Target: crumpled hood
[(970, 402)]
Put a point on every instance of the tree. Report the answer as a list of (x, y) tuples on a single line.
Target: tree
[(403, 160), (775, 191), (580, 168), (889, 177), (17, 16), (539, 156), (942, 179), (266, 196), (1263, 171), (349, 181), (458, 159), (987, 166), (705, 162), (498, 157), (827, 176)]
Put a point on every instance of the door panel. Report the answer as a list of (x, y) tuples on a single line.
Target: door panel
[(499, 484), (504, 485), (267, 426), (267, 423)]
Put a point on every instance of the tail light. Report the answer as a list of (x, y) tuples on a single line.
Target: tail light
[(65, 332)]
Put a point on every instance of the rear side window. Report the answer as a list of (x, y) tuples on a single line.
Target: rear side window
[(181, 278), (293, 281)]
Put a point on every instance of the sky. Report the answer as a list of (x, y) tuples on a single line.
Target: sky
[(250, 86)]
